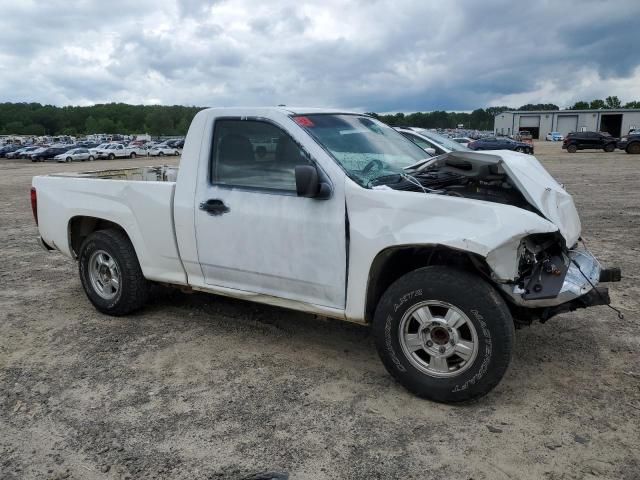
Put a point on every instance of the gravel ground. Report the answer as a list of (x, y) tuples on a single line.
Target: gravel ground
[(199, 386)]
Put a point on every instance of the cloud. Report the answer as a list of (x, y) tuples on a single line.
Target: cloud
[(380, 55)]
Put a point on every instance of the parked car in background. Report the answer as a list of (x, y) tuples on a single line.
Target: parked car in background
[(464, 141), (48, 153), (554, 137), (430, 142), (500, 143), (630, 143), (138, 149), (80, 153), (95, 150), (8, 149), (162, 150), (19, 152), (117, 150), (589, 141)]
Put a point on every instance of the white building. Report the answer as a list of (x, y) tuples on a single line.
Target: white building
[(539, 123)]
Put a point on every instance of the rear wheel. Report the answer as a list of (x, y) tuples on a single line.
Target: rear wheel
[(609, 148), (91, 158), (519, 149), (633, 148), (161, 154), (444, 334), (111, 156), (572, 148), (133, 155), (110, 273)]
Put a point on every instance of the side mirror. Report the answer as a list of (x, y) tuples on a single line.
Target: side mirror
[(309, 185), (430, 150)]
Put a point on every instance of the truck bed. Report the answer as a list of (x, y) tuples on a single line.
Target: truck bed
[(159, 173), (140, 200)]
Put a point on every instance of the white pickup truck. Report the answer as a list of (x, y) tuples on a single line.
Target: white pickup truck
[(117, 150), (343, 218)]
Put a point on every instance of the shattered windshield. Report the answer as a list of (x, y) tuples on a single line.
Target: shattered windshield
[(367, 149)]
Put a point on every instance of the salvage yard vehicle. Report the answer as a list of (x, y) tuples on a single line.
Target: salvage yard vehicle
[(589, 140), (81, 154), (629, 143), (501, 143), (117, 150), (48, 153), (163, 149), (433, 143), (444, 256)]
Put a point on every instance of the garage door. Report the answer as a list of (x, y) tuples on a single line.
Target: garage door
[(532, 124), (566, 124), (528, 122)]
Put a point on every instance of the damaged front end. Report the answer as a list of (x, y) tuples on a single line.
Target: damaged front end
[(552, 279)]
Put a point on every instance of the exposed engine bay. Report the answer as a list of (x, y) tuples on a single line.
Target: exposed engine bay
[(462, 178)]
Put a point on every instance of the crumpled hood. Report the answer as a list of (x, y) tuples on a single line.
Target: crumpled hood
[(538, 187)]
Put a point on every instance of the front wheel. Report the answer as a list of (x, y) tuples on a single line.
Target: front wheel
[(111, 156), (519, 149), (91, 158), (572, 149), (161, 154), (633, 148), (444, 334), (68, 159), (110, 273), (133, 155)]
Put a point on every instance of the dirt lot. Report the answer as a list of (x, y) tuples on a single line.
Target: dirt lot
[(199, 386)]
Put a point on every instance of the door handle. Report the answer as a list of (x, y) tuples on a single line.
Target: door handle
[(214, 206)]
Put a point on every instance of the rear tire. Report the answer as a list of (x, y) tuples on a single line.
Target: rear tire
[(111, 156), (633, 148), (572, 149), (609, 148), (519, 149), (451, 311), (91, 158), (110, 273), (133, 155), (161, 154)]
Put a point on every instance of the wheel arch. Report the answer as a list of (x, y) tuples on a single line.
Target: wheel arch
[(80, 227), (392, 263)]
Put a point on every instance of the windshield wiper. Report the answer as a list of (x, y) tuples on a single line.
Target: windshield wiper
[(383, 179), (419, 163)]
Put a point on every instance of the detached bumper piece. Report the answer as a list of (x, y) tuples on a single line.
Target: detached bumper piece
[(595, 297)]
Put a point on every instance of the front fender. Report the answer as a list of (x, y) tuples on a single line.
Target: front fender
[(380, 219)]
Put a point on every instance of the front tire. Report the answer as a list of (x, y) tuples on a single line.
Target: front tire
[(572, 149), (133, 155), (111, 156), (633, 149), (444, 334), (110, 273), (91, 158)]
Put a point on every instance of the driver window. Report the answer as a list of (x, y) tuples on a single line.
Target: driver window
[(255, 154)]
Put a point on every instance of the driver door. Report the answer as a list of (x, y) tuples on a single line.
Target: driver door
[(254, 233)]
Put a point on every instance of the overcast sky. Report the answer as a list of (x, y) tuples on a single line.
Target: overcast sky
[(372, 55)]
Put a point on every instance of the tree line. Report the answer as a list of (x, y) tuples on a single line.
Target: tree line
[(37, 119)]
